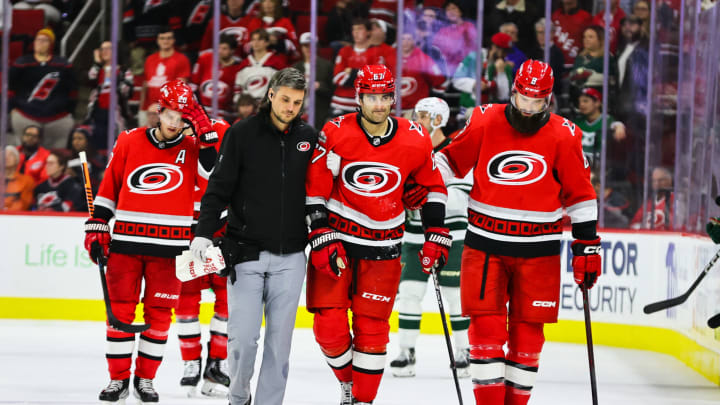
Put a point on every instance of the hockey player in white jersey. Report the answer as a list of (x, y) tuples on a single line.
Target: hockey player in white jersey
[(432, 113)]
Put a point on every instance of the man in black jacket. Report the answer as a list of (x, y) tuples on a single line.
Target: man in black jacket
[(260, 177)]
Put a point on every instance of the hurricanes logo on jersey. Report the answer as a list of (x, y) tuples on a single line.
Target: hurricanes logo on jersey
[(516, 168), (371, 179), (155, 178)]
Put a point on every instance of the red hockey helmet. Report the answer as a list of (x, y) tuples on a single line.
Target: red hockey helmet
[(534, 79), (374, 79), (175, 95)]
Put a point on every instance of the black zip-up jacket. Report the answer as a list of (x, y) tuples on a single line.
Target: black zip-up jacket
[(260, 177)]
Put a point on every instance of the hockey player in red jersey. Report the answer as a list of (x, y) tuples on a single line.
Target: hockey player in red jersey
[(215, 377), (528, 164), (354, 205), (148, 187)]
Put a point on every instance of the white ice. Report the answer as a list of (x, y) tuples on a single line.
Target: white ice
[(59, 362)]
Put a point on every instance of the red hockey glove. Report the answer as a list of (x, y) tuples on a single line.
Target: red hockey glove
[(434, 253), (201, 123), (586, 261), (327, 253), (414, 196), (97, 239)]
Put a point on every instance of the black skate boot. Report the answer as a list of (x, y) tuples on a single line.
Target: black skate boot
[(404, 365), (216, 379), (191, 376), (346, 397), (144, 390), (115, 392), (462, 363)]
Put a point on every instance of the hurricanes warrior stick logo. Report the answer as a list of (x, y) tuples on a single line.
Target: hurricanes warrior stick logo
[(516, 168), (371, 179), (155, 178)]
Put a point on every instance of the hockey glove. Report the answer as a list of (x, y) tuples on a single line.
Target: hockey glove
[(414, 196), (327, 253), (97, 240), (434, 253), (199, 246), (201, 123), (586, 261), (713, 229), (332, 162)]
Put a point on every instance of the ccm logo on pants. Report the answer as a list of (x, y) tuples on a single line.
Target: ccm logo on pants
[(544, 304), (375, 297)]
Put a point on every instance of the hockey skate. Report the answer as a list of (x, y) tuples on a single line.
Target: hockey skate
[(115, 392), (216, 379), (462, 363), (404, 365), (346, 397), (144, 390), (191, 376)]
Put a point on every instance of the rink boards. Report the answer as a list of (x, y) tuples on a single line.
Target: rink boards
[(46, 274)]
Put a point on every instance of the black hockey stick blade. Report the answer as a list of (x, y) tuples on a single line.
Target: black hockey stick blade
[(714, 321), (446, 331), (114, 322), (590, 347), (671, 302)]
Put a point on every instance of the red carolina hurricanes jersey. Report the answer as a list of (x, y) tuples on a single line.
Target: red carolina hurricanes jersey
[(420, 75), (364, 202), (159, 71), (521, 182), (220, 126), (568, 32), (202, 79), (349, 57), (149, 187), (228, 25)]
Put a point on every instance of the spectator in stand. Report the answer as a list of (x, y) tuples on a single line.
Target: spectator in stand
[(615, 202), (427, 27), (633, 59), (80, 140), (143, 21), (616, 16), (349, 60), (338, 30), (590, 122), (99, 103), (233, 21), (659, 208), (522, 13), (246, 106), (194, 17), (255, 71), (641, 10), (420, 74), (18, 187), (457, 39), (201, 77), (32, 154), (283, 38), (378, 40), (556, 55), (386, 10), (43, 89), (569, 22), (499, 68), (161, 67), (323, 79), (588, 68), (465, 81), (515, 56), (60, 192)]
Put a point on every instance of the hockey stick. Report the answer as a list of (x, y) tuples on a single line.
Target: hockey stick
[(447, 333), (660, 305), (114, 322), (714, 321), (591, 351)]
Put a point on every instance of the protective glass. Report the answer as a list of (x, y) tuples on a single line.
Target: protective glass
[(529, 105)]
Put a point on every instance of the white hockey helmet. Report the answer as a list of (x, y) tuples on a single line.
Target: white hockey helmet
[(435, 106)]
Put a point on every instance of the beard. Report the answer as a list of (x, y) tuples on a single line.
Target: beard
[(525, 124)]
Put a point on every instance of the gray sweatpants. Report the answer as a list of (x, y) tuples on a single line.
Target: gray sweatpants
[(272, 283)]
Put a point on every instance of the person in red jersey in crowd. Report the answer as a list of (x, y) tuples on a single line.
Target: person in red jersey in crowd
[(201, 78), (527, 166), (355, 185), (149, 188)]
